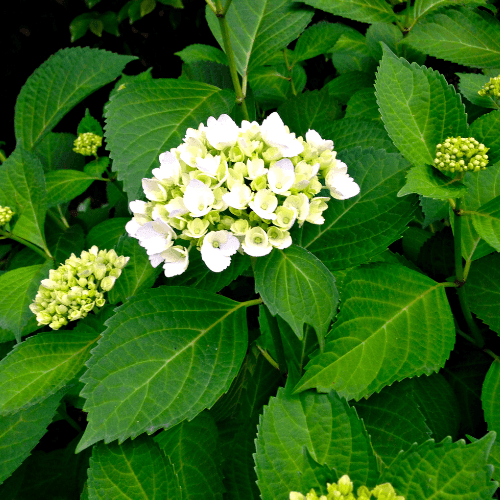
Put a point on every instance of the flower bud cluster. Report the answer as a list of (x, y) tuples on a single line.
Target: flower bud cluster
[(5, 215), (343, 490), (228, 188), (459, 154), (87, 144), (76, 287), (491, 89)]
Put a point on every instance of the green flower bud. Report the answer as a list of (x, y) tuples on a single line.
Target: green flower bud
[(272, 154), (491, 89), (107, 283), (386, 492), (458, 154), (364, 493), (5, 215), (87, 144), (259, 183)]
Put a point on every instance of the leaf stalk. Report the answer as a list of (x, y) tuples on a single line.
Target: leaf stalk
[(44, 253)]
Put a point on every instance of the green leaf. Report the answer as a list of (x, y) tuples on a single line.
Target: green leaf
[(134, 469), (199, 276), (483, 290), (182, 346), (18, 289), (42, 103), (364, 11), (490, 396), (326, 426), (156, 113), (379, 302), (485, 130), (344, 86), (296, 285), (63, 243), (193, 451), (318, 39), (361, 227), (417, 124), (258, 28), (351, 53), (209, 72), (350, 133), (40, 366), (89, 124), (446, 469), (469, 86), (429, 181), (480, 190), (438, 404), (460, 35), (423, 7), (465, 373), (363, 105), (311, 110), (55, 151), (413, 240), (20, 433), (393, 420), (137, 275), (106, 234), (96, 168), (200, 52), (434, 210), (383, 32), (64, 185), (486, 221), (22, 188)]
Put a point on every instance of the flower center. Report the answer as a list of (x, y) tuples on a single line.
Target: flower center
[(264, 206), (279, 185), (258, 240), (201, 207), (216, 244), (286, 220)]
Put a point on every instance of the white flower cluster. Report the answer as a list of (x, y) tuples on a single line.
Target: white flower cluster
[(228, 188)]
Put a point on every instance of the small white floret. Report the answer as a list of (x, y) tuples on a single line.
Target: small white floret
[(340, 184), (176, 261), (198, 198), (217, 248), (221, 133), (275, 134), (256, 242)]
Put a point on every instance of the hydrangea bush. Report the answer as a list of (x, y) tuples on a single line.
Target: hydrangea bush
[(250, 282)]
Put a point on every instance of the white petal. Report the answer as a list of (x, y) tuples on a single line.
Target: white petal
[(231, 246), (137, 207), (156, 259), (131, 227), (176, 261), (221, 133), (198, 198)]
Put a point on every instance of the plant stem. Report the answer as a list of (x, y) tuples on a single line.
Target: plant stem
[(268, 357), (250, 303), (289, 69), (45, 254), (447, 284), (65, 222), (224, 28), (492, 354), (459, 272)]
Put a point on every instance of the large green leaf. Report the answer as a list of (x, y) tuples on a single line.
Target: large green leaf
[(40, 366), (134, 469), (296, 285), (193, 451), (486, 221), (393, 420), (480, 190), (64, 185), (166, 355), (366, 349), (351, 53), (326, 426), (363, 106), (483, 290), (55, 151), (147, 118), (430, 182), (359, 228), (20, 433), (424, 7), (137, 275), (444, 470), (58, 85), (310, 110), (419, 109), (364, 11), (258, 28), (18, 289), (437, 402), (22, 188), (490, 396), (485, 130), (460, 35)]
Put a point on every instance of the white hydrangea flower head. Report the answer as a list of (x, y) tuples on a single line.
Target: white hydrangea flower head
[(228, 188), (217, 248)]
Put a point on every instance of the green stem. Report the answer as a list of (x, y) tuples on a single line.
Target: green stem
[(226, 7), (459, 272), (465, 336), (64, 414), (56, 219), (289, 69), (492, 354), (45, 254), (268, 357), (212, 6), (224, 28), (447, 284), (277, 341), (2, 156), (64, 221), (250, 303)]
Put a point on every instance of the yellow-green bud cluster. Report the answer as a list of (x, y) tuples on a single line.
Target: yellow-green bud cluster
[(5, 215), (228, 188), (87, 144), (461, 154), (491, 89), (76, 287), (343, 490)]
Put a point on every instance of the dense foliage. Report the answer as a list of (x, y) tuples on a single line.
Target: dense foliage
[(324, 322)]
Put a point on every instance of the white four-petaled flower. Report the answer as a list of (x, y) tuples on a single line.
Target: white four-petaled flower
[(217, 248)]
